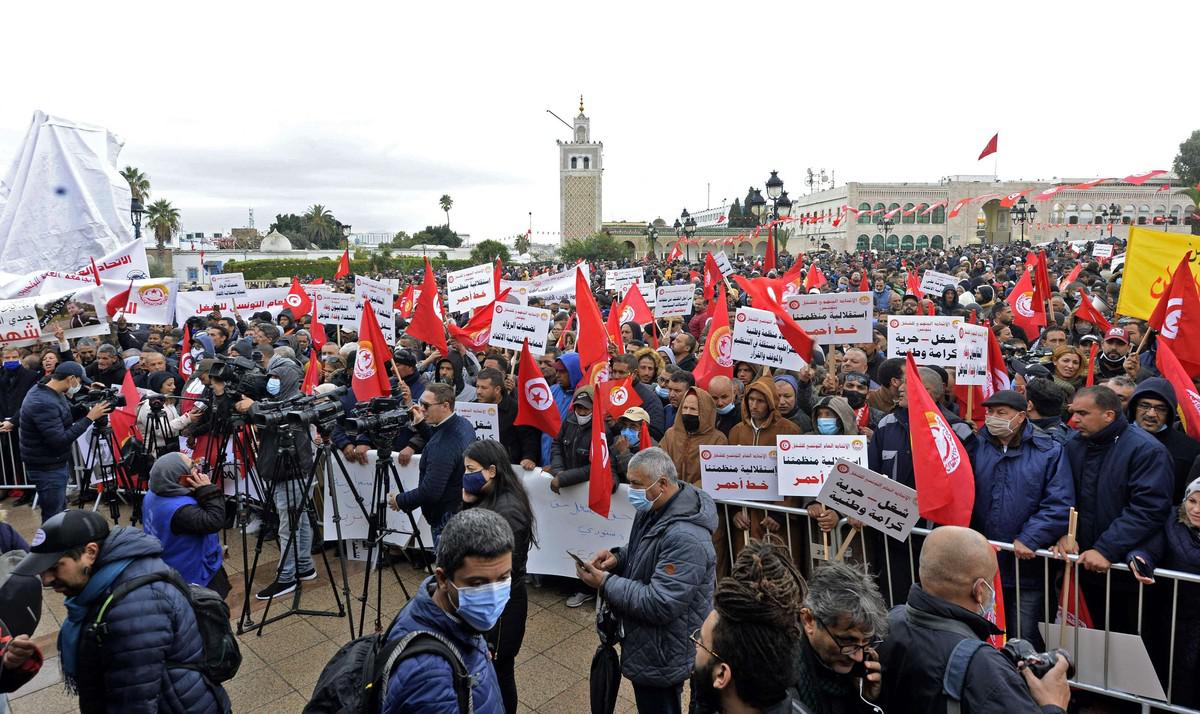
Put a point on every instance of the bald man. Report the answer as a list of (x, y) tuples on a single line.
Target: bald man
[(725, 396), (949, 607)]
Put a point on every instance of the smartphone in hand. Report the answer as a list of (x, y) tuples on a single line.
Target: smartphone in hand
[(577, 559)]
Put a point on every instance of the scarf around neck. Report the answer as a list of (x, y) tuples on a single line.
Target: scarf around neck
[(77, 610)]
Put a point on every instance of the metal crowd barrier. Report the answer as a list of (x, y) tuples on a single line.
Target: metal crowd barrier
[(814, 552), (12, 472)]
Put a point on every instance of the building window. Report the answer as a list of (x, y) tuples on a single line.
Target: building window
[(1085, 213), (1056, 213), (937, 243), (1072, 214), (939, 214), (893, 242), (911, 217), (574, 160), (906, 243), (1128, 213), (863, 208), (587, 162), (879, 209), (922, 242), (864, 243), (1143, 214), (193, 275), (922, 216), (877, 242)]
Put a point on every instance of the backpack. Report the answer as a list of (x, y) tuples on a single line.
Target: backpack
[(222, 656), (355, 679)]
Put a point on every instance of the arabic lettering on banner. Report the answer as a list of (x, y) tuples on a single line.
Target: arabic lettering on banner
[(27, 321), (723, 264), (354, 523), (565, 523), (339, 309), (933, 282), (674, 300), (380, 294), (558, 285), (739, 473), (1102, 250), (485, 417), (757, 339), (931, 340), (620, 278), (202, 302), (315, 289), (649, 294), (469, 288), (834, 318), (804, 462), (879, 502), (513, 324), (972, 355), (228, 285), (127, 262)]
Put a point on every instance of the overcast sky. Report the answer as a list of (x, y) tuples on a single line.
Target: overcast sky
[(376, 110)]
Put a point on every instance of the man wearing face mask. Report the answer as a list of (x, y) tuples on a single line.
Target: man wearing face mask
[(1153, 408), (724, 394), (660, 584), (1110, 362), (855, 388), (950, 607), (47, 430), (463, 599), (1023, 495)]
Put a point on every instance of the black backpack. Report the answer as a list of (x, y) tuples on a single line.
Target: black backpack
[(355, 680), (222, 656)]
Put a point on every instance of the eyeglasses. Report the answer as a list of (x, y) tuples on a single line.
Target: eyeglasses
[(845, 648), (695, 637), (1156, 408)]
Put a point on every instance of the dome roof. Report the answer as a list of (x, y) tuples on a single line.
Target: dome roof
[(275, 242)]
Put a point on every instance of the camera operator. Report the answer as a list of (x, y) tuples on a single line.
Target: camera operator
[(949, 607), (162, 413), (47, 429)]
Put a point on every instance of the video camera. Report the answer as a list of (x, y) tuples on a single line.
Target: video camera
[(240, 376), (379, 419), (1039, 663), (320, 410), (89, 398)]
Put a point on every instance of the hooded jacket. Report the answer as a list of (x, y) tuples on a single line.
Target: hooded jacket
[(563, 397), (184, 520), (749, 433), (846, 421), (268, 466), (1182, 448), (662, 587), (463, 392), (152, 625), (683, 448), (570, 454)]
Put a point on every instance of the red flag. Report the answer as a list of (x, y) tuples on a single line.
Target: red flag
[(613, 325), (187, 363), (675, 253), (617, 395), (297, 300), (318, 281), (991, 147), (913, 284), (944, 479), (1164, 187), (996, 617), (95, 271), (634, 307), (769, 260), (1091, 378), (1087, 311), (194, 388), (864, 284), (119, 301), (370, 380), (600, 466), (476, 334), (814, 279), (316, 330), (712, 276), (1071, 618), (426, 325), (535, 404), (1185, 389), (996, 368), (1180, 298), (591, 343), (406, 302), (1028, 314), (762, 299), (343, 268), (1071, 276), (717, 357), (1041, 276), (312, 373), (1088, 185), (497, 270), (124, 419), (1139, 179)]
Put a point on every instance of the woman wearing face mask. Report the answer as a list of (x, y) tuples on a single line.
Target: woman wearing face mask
[(489, 482), (1079, 328), (185, 511), (167, 421)]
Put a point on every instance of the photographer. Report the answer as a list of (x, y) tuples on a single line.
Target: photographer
[(949, 607), (47, 429), (161, 412)]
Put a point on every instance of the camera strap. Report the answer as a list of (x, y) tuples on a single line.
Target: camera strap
[(956, 672)]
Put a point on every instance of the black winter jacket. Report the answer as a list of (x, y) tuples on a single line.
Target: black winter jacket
[(14, 385), (47, 429)]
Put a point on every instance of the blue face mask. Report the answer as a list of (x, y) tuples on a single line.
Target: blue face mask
[(12, 364), (273, 387), (639, 500), (827, 425), (662, 391), (481, 606), (631, 435), (726, 409), (473, 482)]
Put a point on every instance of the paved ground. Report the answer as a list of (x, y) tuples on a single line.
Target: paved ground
[(281, 666)]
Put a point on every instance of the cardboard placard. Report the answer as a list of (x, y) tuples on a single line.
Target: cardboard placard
[(228, 285), (739, 473), (339, 309), (972, 367), (834, 318), (931, 340), (513, 324), (485, 417), (381, 296), (757, 339), (1102, 250), (879, 502), (804, 461), (933, 282), (469, 288), (674, 300), (619, 278)]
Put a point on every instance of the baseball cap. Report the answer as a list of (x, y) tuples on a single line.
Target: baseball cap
[(636, 414), (1117, 333), (71, 369), (64, 531), (1007, 398)]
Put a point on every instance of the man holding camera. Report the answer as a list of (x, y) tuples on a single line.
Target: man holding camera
[(936, 655), (47, 429)]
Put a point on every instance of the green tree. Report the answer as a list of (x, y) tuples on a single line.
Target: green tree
[(1187, 162), (440, 235), (293, 227), (522, 244), (598, 246), (163, 219), (321, 228), (139, 183), (488, 251), (1194, 194), (446, 203)]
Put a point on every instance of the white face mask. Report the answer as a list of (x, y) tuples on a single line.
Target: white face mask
[(74, 389), (1000, 427)]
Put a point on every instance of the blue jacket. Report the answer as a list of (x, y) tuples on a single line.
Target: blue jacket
[(890, 450), (1023, 493), (439, 492), (663, 585), (47, 429), (1123, 480), (423, 684), (151, 626)]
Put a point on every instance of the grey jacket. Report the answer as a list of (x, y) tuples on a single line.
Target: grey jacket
[(663, 585)]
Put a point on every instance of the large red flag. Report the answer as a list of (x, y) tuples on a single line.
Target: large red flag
[(119, 301), (187, 362), (675, 253), (997, 371), (717, 357), (617, 395), (762, 299), (600, 466), (712, 276), (991, 147), (1091, 375), (1028, 313), (1042, 285), (1183, 335), (864, 283), (997, 616), (1185, 389), (815, 278), (591, 342), (1071, 276), (476, 334), (124, 419), (497, 271), (913, 284), (944, 479), (634, 308), (297, 300), (316, 330), (1087, 311), (312, 373), (370, 379), (769, 260), (535, 404), (343, 268), (426, 326), (407, 302)]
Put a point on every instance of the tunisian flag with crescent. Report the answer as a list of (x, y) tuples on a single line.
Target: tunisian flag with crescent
[(297, 300), (1028, 314), (600, 481), (712, 276), (370, 380), (717, 357), (535, 404), (944, 479), (617, 395), (426, 324)]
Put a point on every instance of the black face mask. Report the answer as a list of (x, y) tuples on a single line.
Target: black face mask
[(691, 422), (856, 399)]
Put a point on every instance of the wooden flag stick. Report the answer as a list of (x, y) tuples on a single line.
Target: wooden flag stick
[(841, 554), (1070, 544)]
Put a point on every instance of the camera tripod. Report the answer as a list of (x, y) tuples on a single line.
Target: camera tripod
[(109, 474)]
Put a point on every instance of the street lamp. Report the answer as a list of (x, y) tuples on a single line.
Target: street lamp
[(886, 224), (651, 236), (136, 211), (778, 198), (1022, 212), (685, 227), (1110, 214)]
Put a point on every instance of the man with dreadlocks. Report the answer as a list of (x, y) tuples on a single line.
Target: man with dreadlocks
[(745, 651)]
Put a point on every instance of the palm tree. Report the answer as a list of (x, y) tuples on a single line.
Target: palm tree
[(446, 203), (522, 244), (139, 183), (163, 219), (322, 228)]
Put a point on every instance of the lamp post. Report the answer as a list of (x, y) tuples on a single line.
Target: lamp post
[(651, 237), (1022, 212), (685, 228), (886, 224), (781, 205), (1110, 214), (136, 211)]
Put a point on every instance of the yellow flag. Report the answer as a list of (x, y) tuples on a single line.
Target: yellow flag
[(1150, 258)]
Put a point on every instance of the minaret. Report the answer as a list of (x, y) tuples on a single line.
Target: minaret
[(580, 173)]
